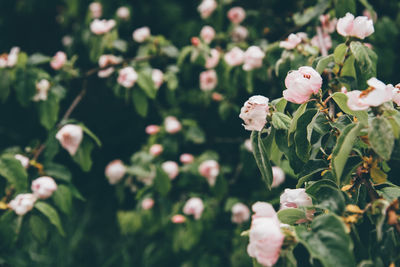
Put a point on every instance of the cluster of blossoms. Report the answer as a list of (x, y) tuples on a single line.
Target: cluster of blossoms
[(9, 60)]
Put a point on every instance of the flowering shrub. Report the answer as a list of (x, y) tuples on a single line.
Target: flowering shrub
[(126, 145)]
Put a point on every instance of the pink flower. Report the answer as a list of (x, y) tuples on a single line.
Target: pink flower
[(301, 84), (156, 150), (208, 80), (239, 33), (234, 57), (43, 187), (253, 58), (123, 13), (207, 33), (212, 60), (295, 198), (217, 96), (96, 10), (254, 113), (359, 27), (127, 77), (240, 213), (152, 129), (22, 203), (195, 41), (291, 42), (171, 168), (115, 170), (102, 26), (158, 77), (265, 237), (248, 145), (328, 25), (42, 89), (209, 169), (377, 94), (278, 176), (9, 60), (58, 60), (70, 137), (142, 34), (396, 94), (147, 203), (206, 8), (194, 206), (236, 15), (172, 125), (108, 60), (186, 158), (178, 218), (24, 160), (326, 39)]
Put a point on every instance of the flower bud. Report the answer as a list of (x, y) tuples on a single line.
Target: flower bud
[(240, 213), (58, 60), (123, 13), (156, 150), (178, 218), (142, 34), (22, 203), (70, 137), (209, 169), (217, 96), (254, 113), (172, 125), (147, 203), (115, 171), (207, 33), (195, 41), (43, 187), (127, 77), (186, 158), (194, 206), (152, 129), (208, 80), (236, 15), (171, 168)]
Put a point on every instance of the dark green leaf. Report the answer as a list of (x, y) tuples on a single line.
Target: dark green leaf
[(280, 121), (83, 155), (146, 83), (162, 183), (14, 172), (62, 198), (48, 111), (38, 228), (140, 102), (301, 136), (381, 137), (51, 214), (262, 158)]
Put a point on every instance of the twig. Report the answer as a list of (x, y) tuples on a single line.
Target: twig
[(320, 36), (74, 103)]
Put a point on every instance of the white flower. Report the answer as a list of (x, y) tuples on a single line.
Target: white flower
[(140, 35), (234, 57), (254, 113), (206, 8), (209, 169), (127, 77), (172, 125), (240, 213), (207, 33), (123, 13), (103, 26), (158, 77), (253, 58), (43, 187), (115, 170), (96, 10), (22, 203), (195, 207), (295, 198), (70, 137), (42, 88), (147, 203), (171, 168), (208, 80)]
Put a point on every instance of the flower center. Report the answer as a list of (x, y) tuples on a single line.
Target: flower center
[(307, 76), (367, 91)]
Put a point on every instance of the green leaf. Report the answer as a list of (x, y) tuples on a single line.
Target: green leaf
[(366, 59), (381, 137), (48, 111), (281, 121), (51, 214), (291, 216), (25, 86), (339, 53), (390, 193), (293, 125), (341, 101), (38, 58), (280, 104), (312, 167), (91, 134), (38, 228), (185, 51), (14, 172), (57, 171), (129, 221), (327, 241), (82, 156), (5, 81), (323, 63), (162, 183), (301, 139), (146, 83), (262, 158), (343, 148), (327, 196), (310, 13), (344, 6), (140, 102), (62, 198)]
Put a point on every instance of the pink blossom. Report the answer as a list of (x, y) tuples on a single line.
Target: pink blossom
[(127, 77), (295, 198), (109, 60), (278, 176), (23, 159), (328, 25), (106, 72), (236, 15), (96, 10), (186, 158), (265, 237), (326, 39), (156, 150), (212, 60), (234, 57), (253, 58), (206, 8), (178, 218), (396, 94), (142, 34), (70, 137), (254, 113), (9, 60), (301, 84), (158, 77), (58, 60), (123, 13), (115, 170), (171, 168), (359, 27), (291, 42), (207, 33), (152, 129), (239, 33), (22, 203), (172, 125), (209, 169), (208, 80), (354, 101), (42, 89), (194, 206), (43, 187), (240, 213), (147, 203), (195, 41), (102, 26)]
